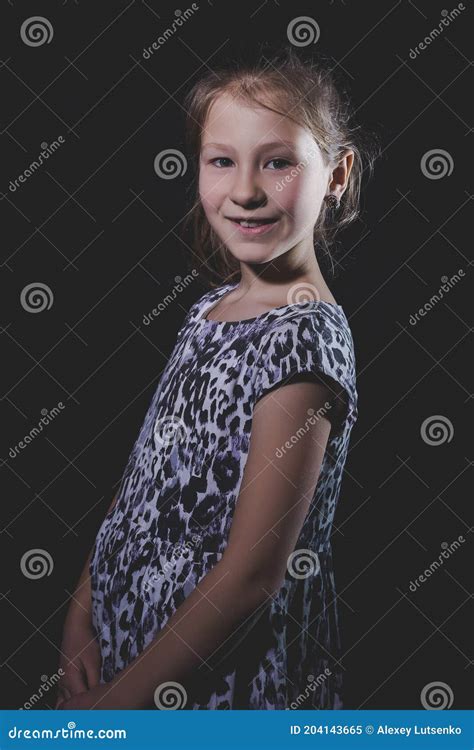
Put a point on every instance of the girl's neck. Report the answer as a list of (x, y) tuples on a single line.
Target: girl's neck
[(273, 285)]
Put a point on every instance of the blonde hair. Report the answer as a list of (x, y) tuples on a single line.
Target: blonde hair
[(306, 92)]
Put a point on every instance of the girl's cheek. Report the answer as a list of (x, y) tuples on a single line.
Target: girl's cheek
[(209, 203), (210, 192), (299, 201), (287, 193), (305, 192)]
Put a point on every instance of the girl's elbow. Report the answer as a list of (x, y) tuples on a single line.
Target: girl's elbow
[(259, 584), (266, 590)]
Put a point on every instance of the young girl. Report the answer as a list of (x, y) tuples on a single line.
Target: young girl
[(210, 585)]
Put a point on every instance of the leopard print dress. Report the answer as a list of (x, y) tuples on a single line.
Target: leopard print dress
[(175, 504)]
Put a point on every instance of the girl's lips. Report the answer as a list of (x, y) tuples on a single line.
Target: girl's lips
[(260, 229)]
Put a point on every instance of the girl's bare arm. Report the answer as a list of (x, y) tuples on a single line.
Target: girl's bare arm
[(80, 655), (273, 501), (81, 602)]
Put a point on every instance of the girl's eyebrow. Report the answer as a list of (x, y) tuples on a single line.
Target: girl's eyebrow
[(271, 144)]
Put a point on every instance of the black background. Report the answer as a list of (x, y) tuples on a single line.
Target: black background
[(97, 225)]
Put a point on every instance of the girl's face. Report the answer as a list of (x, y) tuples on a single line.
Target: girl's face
[(257, 165)]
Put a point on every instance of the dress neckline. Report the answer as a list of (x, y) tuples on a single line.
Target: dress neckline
[(310, 304)]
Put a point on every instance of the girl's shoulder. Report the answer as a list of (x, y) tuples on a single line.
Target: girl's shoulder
[(313, 322), (311, 339), (207, 299)]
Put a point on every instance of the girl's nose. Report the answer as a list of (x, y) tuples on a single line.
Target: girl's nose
[(246, 189)]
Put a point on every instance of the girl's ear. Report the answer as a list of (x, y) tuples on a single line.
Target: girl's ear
[(340, 173)]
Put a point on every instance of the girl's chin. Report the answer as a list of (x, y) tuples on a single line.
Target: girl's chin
[(251, 252)]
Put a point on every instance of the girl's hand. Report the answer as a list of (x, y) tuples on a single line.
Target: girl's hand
[(80, 660), (95, 698), (107, 695)]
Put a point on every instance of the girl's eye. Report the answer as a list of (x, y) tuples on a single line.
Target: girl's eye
[(220, 158), (281, 163), (223, 161)]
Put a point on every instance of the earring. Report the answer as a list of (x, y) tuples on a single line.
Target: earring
[(332, 201)]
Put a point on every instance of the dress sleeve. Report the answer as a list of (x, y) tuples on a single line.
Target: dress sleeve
[(192, 313), (316, 346)]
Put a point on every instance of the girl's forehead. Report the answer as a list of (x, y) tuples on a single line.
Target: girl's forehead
[(226, 107), (229, 117)]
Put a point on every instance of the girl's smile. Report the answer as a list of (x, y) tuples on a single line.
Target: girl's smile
[(253, 226)]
